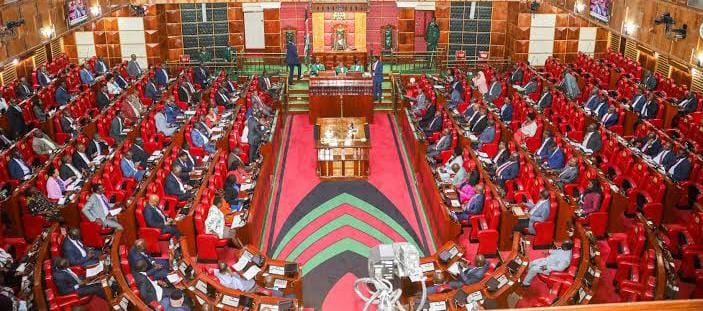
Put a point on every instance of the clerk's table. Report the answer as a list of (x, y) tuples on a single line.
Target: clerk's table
[(342, 147), (349, 95)]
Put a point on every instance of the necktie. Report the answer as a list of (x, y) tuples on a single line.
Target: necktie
[(61, 185), (503, 167)]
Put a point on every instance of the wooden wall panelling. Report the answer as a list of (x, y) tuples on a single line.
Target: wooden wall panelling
[(499, 28), (406, 29), (272, 30), (442, 12)]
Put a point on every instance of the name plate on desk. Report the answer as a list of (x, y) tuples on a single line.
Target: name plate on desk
[(278, 283), (438, 306), (277, 270), (268, 307), (427, 267), (230, 301), (201, 286)]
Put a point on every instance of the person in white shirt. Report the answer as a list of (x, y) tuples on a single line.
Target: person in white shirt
[(3, 104), (112, 87), (42, 144), (528, 129)]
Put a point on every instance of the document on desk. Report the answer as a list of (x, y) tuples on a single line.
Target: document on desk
[(278, 283), (277, 270), (454, 268), (95, 270), (518, 211), (230, 301), (174, 278), (115, 211), (251, 272), (427, 267), (245, 187), (237, 222), (438, 306), (502, 280), (201, 286), (241, 264)]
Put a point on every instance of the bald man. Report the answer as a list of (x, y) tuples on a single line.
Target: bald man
[(156, 268), (155, 217), (470, 275)]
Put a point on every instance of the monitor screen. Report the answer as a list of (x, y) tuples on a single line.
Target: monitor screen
[(600, 9), (76, 12)]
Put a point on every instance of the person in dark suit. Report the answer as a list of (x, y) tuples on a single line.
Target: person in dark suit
[(529, 88), (569, 173), (474, 206), (234, 160), (68, 282), (443, 143), (97, 146), (649, 145), (592, 141), (435, 125), (15, 117), (555, 158), (67, 170), (545, 100), (496, 89), (649, 109), (547, 141), (428, 117), (156, 218), (68, 125), (156, 268), (86, 76), (117, 128), (687, 104), (681, 169), (62, 97), (221, 98), (5, 141), (293, 60), (254, 136), (100, 66), (538, 212), (666, 157), (151, 91), (650, 81), (139, 155), (638, 100), (506, 111), (517, 75), (501, 156), (150, 288), (24, 89), (102, 99), (43, 77), (161, 77), (201, 76), (18, 168), (186, 165), (120, 80), (610, 118), (377, 70), (183, 93), (480, 122), (468, 276), (76, 252), (173, 185), (508, 170), (80, 159)]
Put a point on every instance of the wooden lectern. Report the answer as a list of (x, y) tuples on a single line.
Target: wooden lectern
[(342, 148), (349, 95)]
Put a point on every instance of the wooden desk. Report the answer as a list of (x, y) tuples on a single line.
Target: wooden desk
[(331, 58), (343, 96), (342, 152)]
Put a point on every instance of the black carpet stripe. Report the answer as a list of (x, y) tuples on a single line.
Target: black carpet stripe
[(319, 281), (408, 184)]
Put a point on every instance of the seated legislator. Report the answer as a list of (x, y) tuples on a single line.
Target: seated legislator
[(57, 188), (455, 175), (76, 252), (97, 147), (187, 165), (100, 66), (24, 89), (155, 217), (545, 100), (42, 144), (174, 186), (496, 89), (68, 282), (517, 75), (555, 158), (86, 76), (340, 69), (15, 118), (570, 85), (559, 259), (117, 129), (648, 110), (67, 170), (420, 103), (175, 301), (666, 157), (649, 145), (43, 77), (120, 80), (161, 77), (139, 155), (538, 212), (593, 100), (37, 109), (68, 125), (113, 88), (218, 216), (610, 118), (637, 100), (474, 206), (527, 130), (201, 76), (471, 112), (222, 99), (97, 209), (61, 96), (591, 198), (102, 99), (162, 125), (479, 122), (457, 96), (592, 141), (156, 268), (466, 190), (18, 168), (150, 288), (130, 169), (568, 174), (172, 111), (232, 279), (234, 160), (508, 170), (468, 276), (529, 88), (355, 67), (231, 193), (506, 111), (501, 156), (435, 125), (649, 81), (681, 169), (132, 108), (5, 141), (443, 143), (39, 204), (201, 139), (479, 81), (547, 141)]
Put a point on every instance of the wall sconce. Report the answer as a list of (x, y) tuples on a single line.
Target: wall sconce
[(656, 54), (579, 7), (95, 10), (699, 58), (15, 61), (48, 31), (630, 28)]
